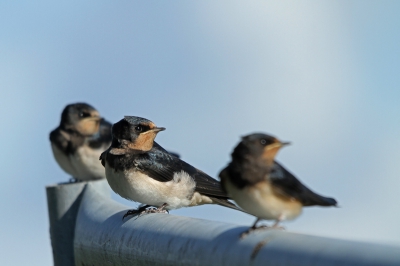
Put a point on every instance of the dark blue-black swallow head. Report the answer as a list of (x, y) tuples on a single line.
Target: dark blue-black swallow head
[(258, 145), (80, 117), (135, 132)]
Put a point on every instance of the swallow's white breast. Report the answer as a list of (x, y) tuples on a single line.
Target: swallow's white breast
[(84, 164), (136, 186), (63, 160), (260, 201)]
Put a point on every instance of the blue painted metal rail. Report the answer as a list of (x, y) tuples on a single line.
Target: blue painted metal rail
[(91, 232)]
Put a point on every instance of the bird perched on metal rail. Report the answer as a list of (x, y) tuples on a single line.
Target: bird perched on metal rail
[(79, 140), (139, 169), (263, 187)]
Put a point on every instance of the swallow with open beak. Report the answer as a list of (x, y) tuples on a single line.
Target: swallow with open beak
[(139, 169), (263, 187)]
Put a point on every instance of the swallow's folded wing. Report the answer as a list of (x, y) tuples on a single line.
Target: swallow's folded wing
[(162, 166), (289, 186)]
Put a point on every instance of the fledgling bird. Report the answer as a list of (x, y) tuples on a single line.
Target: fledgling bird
[(263, 187), (79, 140), (139, 169)]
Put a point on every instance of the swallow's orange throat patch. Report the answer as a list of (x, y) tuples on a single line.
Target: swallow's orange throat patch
[(88, 127), (144, 142)]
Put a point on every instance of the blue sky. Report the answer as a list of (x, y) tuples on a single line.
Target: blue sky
[(323, 75)]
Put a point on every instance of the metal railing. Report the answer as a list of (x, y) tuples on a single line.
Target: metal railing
[(86, 228)]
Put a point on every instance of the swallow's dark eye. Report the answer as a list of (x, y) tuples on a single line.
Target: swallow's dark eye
[(263, 141), (84, 114), (139, 128)]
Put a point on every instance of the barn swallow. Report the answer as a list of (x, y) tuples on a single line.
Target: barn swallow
[(263, 187), (139, 169), (79, 140)]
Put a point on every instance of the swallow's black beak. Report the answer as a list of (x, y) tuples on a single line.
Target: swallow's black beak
[(94, 118), (158, 129)]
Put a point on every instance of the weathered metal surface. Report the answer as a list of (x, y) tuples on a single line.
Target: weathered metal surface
[(103, 238), (63, 201)]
